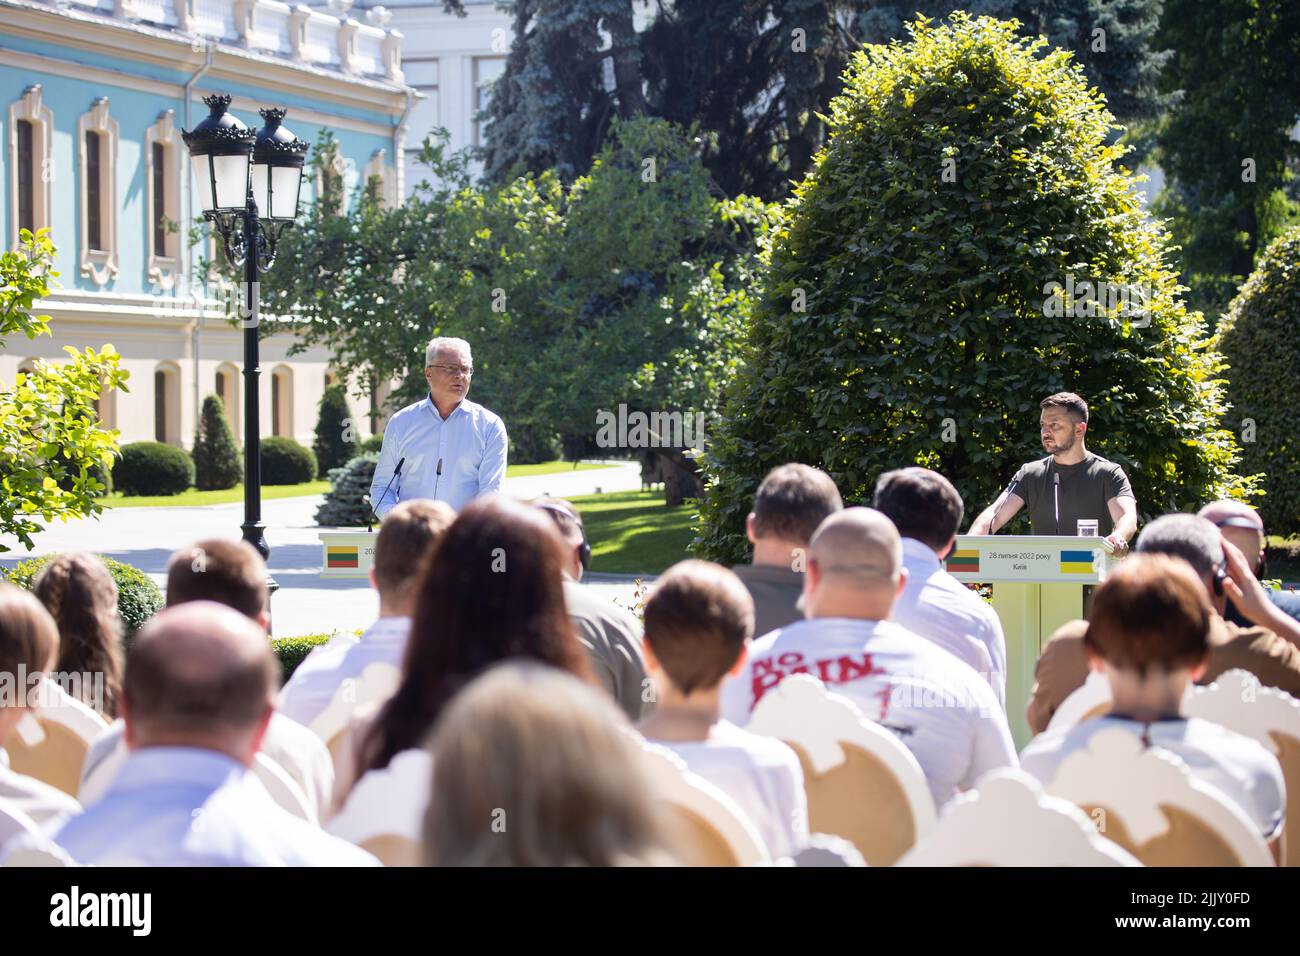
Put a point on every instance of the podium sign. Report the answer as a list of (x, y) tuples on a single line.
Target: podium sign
[(347, 554), (1038, 583)]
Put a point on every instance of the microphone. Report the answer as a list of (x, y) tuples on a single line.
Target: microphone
[(374, 508), (993, 524), (437, 479), (1056, 499)]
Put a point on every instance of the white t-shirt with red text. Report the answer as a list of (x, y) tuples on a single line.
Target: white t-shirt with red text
[(938, 706)]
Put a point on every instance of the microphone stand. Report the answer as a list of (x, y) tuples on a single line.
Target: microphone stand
[(374, 507), (993, 523)]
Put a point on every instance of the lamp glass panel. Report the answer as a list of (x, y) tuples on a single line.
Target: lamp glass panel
[(202, 182), (261, 175), (232, 180), (285, 182)]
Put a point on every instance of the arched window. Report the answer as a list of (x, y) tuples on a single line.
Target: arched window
[(97, 150), (167, 404), (31, 147), (282, 402), (162, 158), (106, 406), (226, 385)]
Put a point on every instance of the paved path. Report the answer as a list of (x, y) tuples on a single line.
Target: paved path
[(305, 604)]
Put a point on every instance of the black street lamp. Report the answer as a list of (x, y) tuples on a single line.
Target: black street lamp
[(248, 184)]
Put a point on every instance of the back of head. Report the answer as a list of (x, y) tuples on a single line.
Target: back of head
[(567, 520), (407, 536), (857, 548), (79, 592), (533, 768), (1185, 536), (921, 503), (792, 501), (1151, 615), (698, 617), (228, 572), (29, 638), (201, 674), (491, 590), (1240, 524)]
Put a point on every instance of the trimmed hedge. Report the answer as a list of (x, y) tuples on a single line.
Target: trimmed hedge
[(336, 442), (1260, 338), (292, 651), (285, 462), (153, 468), (345, 504), (138, 597), (217, 460)]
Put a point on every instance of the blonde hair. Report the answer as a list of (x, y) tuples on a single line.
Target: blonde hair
[(534, 768)]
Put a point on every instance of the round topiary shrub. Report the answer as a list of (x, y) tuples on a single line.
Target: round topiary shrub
[(966, 245), (217, 461), (347, 503), (285, 462), (138, 597), (152, 468), (1260, 338), (336, 439)]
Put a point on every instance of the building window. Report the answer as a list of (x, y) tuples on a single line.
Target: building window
[(162, 177), (160, 406), (377, 178), (31, 145), (227, 387), (282, 402), (97, 136), (167, 404), (487, 69)]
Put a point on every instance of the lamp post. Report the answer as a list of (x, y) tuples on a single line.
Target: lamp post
[(248, 185)]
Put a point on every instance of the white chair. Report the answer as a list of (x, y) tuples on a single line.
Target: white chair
[(863, 784), (376, 683), (384, 813), (1146, 800), (51, 741), (1237, 701), (1091, 699), (284, 790), (13, 823), (1007, 820), (712, 828), (824, 850)]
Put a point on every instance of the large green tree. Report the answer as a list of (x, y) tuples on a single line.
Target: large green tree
[(52, 443), (928, 290)]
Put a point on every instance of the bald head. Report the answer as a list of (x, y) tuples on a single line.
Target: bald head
[(199, 674), (855, 563), (1240, 524)]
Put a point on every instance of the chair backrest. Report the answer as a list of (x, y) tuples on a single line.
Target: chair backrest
[(376, 683), (29, 856), (1091, 699), (384, 813), (1007, 820), (824, 850), (1237, 701), (284, 790), (50, 742), (1146, 800), (712, 829), (863, 784), (13, 822)]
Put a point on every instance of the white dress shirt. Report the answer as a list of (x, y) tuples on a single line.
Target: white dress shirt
[(470, 445), (941, 609), (186, 806), (317, 679)]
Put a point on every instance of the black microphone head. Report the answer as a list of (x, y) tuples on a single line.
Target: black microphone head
[(400, 462)]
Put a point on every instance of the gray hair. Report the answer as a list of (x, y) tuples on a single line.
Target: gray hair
[(445, 342), (1190, 537)]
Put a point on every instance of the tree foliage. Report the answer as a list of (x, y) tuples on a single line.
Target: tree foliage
[(908, 315), (1260, 337), (217, 462), (52, 443)]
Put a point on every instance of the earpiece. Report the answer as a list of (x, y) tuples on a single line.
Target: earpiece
[(584, 549)]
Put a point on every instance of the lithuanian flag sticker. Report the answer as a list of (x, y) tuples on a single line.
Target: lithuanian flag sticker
[(341, 556)]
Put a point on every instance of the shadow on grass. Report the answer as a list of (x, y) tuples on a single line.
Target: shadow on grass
[(634, 532)]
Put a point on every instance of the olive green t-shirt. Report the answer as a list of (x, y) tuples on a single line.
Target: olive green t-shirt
[(1085, 489)]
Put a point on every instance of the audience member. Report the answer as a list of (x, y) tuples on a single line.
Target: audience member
[(233, 574), (1149, 634), (80, 594), (1062, 667), (791, 502), (492, 590), (409, 532), (196, 702), (943, 711), (610, 634), (698, 619), (1241, 524), (29, 646), (927, 512), (532, 768)]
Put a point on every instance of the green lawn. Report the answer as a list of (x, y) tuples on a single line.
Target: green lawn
[(550, 468), (634, 532)]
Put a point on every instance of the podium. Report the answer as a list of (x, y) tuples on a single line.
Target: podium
[(1038, 583), (347, 554)]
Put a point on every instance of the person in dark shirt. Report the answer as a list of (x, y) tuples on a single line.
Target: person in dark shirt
[(1242, 525), (1069, 488)]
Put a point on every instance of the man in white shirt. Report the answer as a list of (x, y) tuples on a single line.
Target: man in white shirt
[(410, 531), (196, 702), (944, 712), (231, 573), (1148, 632), (698, 618), (443, 446), (927, 511)]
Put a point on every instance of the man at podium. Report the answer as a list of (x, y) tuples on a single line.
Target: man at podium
[(1071, 491)]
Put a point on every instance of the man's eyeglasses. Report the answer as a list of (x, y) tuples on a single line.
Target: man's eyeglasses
[(466, 370)]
